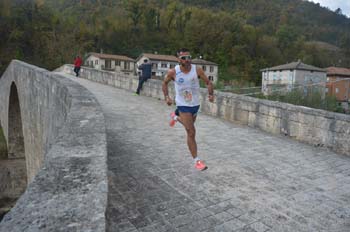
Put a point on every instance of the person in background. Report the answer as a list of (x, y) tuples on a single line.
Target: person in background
[(146, 73), (77, 64)]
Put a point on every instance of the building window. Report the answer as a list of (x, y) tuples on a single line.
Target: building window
[(211, 78), (211, 69), (126, 65), (96, 61), (204, 68), (108, 64), (154, 65), (117, 63), (164, 65), (172, 65), (336, 90)]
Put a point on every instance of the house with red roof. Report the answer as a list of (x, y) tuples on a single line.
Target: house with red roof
[(162, 63), (338, 83), (295, 75), (110, 62)]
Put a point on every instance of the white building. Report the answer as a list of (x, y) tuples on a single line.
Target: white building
[(210, 68), (110, 62), (162, 63), (286, 77)]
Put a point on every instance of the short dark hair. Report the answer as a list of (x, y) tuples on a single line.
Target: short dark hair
[(145, 60), (181, 50)]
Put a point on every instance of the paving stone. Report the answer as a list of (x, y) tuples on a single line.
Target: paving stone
[(224, 216), (231, 225), (124, 226), (259, 227)]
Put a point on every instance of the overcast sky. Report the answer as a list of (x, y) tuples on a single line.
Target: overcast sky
[(344, 5)]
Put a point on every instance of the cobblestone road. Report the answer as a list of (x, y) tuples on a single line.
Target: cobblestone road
[(255, 181)]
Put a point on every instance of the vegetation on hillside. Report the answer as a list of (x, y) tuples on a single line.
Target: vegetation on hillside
[(242, 36)]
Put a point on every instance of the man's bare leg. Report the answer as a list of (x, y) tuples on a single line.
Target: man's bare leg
[(187, 120)]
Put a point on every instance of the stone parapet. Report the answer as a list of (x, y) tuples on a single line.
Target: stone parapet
[(65, 153)]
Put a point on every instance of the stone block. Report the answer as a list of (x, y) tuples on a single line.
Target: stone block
[(270, 111), (13, 178), (269, 124)]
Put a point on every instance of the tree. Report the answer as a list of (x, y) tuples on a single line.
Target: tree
[(338, 11), (286, 36), (135, 10)]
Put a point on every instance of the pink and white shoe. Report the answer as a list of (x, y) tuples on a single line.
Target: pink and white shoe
[(172, 119), (200, 165)]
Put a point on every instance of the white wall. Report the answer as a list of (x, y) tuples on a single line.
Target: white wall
[(157, 65), (290, 79), (94, 59), (101, 63), (208, 73)]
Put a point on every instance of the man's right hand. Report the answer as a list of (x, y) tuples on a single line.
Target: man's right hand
[(169, 101)]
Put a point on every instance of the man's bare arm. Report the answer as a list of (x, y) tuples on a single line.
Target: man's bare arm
[(209, 84), (169, 77)]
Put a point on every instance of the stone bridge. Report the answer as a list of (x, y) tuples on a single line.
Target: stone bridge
[(84, 155)]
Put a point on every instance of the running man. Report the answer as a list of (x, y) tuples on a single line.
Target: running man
[(186, 77)]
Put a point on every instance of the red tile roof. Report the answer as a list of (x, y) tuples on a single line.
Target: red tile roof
[(159, 57), (201, 61), (298, 65), (110, 56), (336, 71)]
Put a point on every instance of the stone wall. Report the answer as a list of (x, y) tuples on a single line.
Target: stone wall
[(312, 126), (65, 152), (3, 145)]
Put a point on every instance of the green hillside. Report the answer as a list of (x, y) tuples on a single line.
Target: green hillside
[(242, 36)]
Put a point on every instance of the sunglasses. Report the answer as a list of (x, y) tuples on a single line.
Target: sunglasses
[(185, 57)]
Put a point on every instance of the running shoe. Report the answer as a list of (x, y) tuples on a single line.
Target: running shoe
[(200, 165), (172, 119)]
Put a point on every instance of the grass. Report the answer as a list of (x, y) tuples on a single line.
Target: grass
[(312, 99)]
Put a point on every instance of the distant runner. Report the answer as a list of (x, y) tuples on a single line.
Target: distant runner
[(185, 75), (77, 64)]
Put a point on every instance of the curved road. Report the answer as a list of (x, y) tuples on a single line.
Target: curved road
[(255, 181)]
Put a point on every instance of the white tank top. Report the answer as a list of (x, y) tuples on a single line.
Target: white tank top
[(186, 87)]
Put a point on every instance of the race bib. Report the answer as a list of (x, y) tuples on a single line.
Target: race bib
[(187, 95)]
